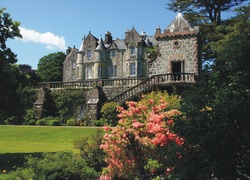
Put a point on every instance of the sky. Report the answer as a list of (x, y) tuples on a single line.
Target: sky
[(49, 26)]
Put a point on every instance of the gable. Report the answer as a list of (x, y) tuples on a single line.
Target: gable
[(132, 37)]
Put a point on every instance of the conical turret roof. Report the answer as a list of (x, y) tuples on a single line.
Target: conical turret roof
[(100, 44), (179, 24), (81, 48)]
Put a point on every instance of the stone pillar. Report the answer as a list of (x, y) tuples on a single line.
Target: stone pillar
[(40, 103), (92, 106), (94, 102)]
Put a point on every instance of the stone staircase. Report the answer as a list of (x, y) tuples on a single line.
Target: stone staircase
[(150, 83)]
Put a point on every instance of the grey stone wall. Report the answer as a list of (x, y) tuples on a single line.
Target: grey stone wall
[(69, 66), (184, 49)]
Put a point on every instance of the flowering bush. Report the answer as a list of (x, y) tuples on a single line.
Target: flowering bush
[(109, 115), (139, 146)]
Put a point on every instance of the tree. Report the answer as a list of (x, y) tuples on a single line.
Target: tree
[(29, 72), (50, 67), (8, 71), (203, 10), (216, 125), (207, 15)]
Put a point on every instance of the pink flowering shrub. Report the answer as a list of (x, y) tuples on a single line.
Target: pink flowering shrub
[(139, 146)]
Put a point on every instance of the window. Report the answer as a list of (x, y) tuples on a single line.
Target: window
[(139, 66), (89, 73), (73, 65), (115, 70), (132, 69), (112, 53), (89, 54), (176, 70), (132, 50), (102, 55), (112, 71), (140, 51), (100, 71)]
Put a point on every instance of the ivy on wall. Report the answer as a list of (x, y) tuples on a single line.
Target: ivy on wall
[(68, 103)]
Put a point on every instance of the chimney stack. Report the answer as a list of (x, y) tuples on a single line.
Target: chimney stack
[(108, 38)]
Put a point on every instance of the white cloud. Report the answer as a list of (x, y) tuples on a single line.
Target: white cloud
[(51, 40)]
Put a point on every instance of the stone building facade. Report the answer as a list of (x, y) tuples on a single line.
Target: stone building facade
[(108, 58), (175, 53), (178, 51), (179, 48)]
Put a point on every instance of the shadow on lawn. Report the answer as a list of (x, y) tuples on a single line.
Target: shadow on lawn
[(12, 161)]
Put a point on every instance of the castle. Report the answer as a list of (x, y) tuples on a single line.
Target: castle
[(176, 49), (119, 70)]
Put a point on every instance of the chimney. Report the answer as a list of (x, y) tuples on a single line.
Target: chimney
[(108, 38), (158, 31), (68, 51)]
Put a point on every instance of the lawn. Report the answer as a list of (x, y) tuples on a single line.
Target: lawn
[(17, 142)]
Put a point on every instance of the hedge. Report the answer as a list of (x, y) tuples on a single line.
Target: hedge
[(71, 122), (53, 123), (41, 122)]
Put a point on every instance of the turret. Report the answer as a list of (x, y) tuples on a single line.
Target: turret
[(79, 61), (100, 49)]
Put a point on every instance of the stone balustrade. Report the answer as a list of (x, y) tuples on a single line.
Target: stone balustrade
[(125, 82)]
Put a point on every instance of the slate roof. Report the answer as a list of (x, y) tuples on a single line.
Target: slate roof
[(120, 43), (152, 40), (178, 27), (81, 46)]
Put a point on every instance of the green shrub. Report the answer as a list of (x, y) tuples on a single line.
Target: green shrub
[(71, 122), (90, 150), (29, 115), (53, 123), (99, 122), (41, 122), (68, 103), (21, 174), (109, 114), (60, 165), (32, 122)]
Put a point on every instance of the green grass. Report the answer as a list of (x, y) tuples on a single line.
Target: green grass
[(25, 139), (17, 142)]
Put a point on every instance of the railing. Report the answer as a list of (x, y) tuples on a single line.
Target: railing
[(149, 84), (126, 82), (136, 85), (57, 85)]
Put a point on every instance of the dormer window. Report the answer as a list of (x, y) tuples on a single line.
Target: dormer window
[(89, 54), (132, 50)]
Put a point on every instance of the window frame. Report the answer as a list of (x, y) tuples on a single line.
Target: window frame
[(89, 73), (112, 53), (132, 50), (112, 71), (132, 69), (89, 54)]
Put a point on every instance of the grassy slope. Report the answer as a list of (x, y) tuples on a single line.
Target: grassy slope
[(17, 142), (25, 139)]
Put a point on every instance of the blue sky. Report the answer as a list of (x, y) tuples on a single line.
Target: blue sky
[(49, 26)]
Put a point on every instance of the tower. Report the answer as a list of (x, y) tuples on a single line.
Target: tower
[(178, 49), (79, 61)]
